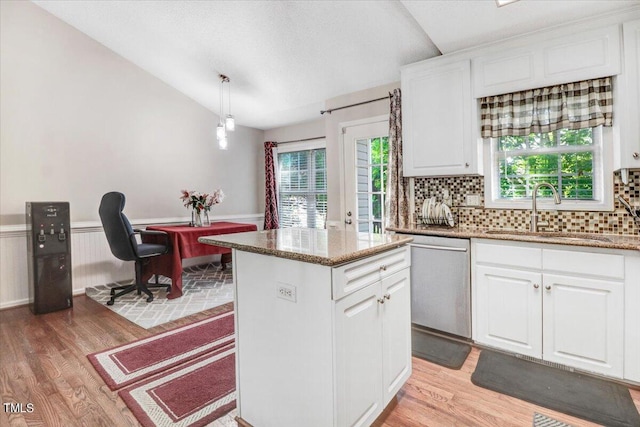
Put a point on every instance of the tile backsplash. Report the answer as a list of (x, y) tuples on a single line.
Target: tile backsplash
[(617, 222)]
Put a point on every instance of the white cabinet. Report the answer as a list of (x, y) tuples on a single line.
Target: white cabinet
[(559, 305), (439, 119), (583, 323), (628, 91), (396, 336), (358, 358), (330, 351), (547, 60), (508, 310), (373, 343)]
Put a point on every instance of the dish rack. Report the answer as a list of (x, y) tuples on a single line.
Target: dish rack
[(433, 221), (435, 213)]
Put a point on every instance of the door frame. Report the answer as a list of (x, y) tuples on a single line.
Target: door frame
[(341, 134)]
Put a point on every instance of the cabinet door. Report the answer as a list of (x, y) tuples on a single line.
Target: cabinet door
[(437, 120), (539, 61), (358, 357), (508, 310), (630, 92), (583, 323), (396, 333)]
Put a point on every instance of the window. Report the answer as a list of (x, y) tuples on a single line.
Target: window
[(558, 134), (372, 156), (573, 161), (302, 185)]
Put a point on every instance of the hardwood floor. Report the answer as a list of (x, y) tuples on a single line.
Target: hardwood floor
[(43, 361)]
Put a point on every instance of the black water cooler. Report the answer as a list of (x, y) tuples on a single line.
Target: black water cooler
[(49, 252)]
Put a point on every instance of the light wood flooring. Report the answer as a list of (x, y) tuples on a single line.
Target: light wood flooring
[(43, 361)]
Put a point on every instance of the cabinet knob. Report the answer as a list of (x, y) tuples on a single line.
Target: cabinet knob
[(636, 155), (381, 300), (536, 286), (548, 287), (383, 268), (387, 296), (466, 165)]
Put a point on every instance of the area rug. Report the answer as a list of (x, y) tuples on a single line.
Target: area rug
[(194, 393), (203, 287), (540, 420), (128, 363), (444, 352), (593, 399), (181, 377)]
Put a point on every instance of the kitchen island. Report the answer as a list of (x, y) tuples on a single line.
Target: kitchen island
[(322, 324)]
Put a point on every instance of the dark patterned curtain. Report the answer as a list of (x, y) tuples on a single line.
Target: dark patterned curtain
[(397, 199), (271, 220)]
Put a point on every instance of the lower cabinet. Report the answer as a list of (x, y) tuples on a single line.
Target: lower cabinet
[(317, 345), (556, 309), (508, 309), (373, 342), (583, 323)]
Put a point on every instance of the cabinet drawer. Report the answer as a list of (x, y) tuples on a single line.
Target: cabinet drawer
[(356, 275), (506, 254), (584, 263)]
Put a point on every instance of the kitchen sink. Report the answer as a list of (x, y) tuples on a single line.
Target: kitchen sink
[(552, 235)]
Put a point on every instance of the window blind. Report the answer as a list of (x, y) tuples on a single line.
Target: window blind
[(302, 188)]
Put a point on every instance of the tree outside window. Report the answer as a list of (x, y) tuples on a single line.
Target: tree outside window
[(564, 158)]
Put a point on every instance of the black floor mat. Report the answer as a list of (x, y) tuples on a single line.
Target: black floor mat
[(593, 399), (448, 353)]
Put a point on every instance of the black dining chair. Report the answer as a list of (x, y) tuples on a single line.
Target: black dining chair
[(126, 244)]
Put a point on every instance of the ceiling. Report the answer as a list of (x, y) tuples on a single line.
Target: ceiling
[(285, 58)]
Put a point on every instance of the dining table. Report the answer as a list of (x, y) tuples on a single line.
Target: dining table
[(184, 244)]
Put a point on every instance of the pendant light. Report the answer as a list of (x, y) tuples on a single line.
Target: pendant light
[(226, 123), (229, 122)]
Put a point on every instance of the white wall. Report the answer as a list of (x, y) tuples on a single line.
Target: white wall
[(311, 129), (77, 120)]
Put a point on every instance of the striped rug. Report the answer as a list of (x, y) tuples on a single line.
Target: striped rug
[(181, 377), (540, 420)]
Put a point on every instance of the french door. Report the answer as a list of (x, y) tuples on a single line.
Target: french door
[(366, 156)]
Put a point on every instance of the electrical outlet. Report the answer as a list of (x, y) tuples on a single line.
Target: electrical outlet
[(472, 200), (286, 291)]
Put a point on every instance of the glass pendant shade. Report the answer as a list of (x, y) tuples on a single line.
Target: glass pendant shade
[(223, 143), (230, 123), (220, 131)]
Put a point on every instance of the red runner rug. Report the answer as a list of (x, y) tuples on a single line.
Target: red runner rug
[(181, 377), (192, 394), (126, 364)]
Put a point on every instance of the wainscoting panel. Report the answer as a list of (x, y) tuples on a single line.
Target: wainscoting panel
[(13, 270), (91, 260)]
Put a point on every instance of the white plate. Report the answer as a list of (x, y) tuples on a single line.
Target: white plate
[(448, 215)]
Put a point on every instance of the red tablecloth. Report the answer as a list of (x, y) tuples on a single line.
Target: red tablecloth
[(184, 240)]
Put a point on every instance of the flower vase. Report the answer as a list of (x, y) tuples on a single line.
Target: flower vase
[(205, 221), (198, 216)]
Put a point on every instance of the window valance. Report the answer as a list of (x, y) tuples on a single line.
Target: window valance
[(572, 105)]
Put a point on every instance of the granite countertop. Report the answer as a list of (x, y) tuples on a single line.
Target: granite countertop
[(317, 246), (608, 241)]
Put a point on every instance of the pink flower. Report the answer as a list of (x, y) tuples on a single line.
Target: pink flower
[(201, 201)]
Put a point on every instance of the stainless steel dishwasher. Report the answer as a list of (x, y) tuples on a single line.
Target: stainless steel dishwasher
[(440, 284)]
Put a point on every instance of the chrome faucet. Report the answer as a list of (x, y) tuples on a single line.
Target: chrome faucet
[(534, 209)]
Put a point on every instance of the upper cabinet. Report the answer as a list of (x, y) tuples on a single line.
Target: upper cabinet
[(441, 129), (439, 119), (628, 92), (519, 66)]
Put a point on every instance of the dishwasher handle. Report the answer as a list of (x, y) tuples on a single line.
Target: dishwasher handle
[(438, 248)]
